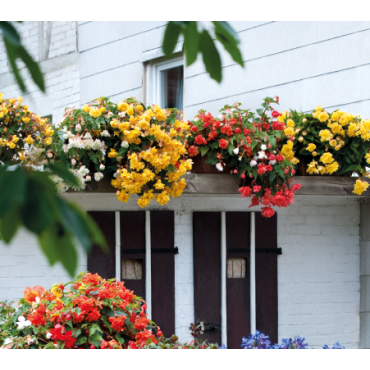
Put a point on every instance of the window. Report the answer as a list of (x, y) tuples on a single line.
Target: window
[(236, 268), (132, 269), (165, 83)]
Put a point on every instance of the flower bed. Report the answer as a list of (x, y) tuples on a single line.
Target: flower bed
[(94, 313)]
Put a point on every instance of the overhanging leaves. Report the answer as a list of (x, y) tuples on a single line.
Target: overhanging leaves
[(211, 57)]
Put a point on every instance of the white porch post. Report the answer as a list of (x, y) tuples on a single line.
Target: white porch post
[(118, 246), (223, 281), (253, 272), (148, 268)]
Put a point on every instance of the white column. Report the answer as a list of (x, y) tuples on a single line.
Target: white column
[(223, 280), (118, 246), (148, 264), (253, 272), (41, 41)]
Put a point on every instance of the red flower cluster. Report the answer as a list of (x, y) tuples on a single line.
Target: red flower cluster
[(94, 310)]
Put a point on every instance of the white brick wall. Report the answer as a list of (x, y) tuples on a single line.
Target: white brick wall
[(22, 264)]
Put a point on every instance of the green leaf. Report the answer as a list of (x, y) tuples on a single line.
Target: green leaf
[(10, 223), (81, 340), (10, 33), (211, 57), (48, 244), (230, 149), (204, 149), (229, 43), (171, 168), (191, 42), (12, 56), (63, 172), (260, 112), (67, 253), (225, 28), (171, 36)]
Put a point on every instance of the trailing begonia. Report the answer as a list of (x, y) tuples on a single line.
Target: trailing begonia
[(255, 149), (24, 136), (142, 148)]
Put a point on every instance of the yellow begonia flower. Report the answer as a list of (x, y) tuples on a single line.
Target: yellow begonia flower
[(326, 158), (26, 119), (318, 108), (352, 130), (360, 187), (344, 120), (29, 140), (162, 198), (335, 128), (48, 141), (321, 170), (311, 147), (15, 139), (130, 111), (332, 167), (311, 168), (139, 108), (112, 154), (122, 106), (295, 160), (333, 142), (367, 157), (102, 110), (325, 135), (11, 145), (22, 156), (323, 116), (335, 116), (95, 112), (159, 185), (86, 108), (290, 123), (289, 131), (20, 99)]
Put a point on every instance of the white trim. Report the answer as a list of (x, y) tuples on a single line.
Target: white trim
[(253, 271), (118, 245), (148, 266), (149, 55), (223, 281), (153, 78)]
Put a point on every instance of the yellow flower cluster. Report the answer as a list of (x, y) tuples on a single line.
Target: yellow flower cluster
[(328, 160), (360, 187), (287, 152), (155, 171), (21, 130)]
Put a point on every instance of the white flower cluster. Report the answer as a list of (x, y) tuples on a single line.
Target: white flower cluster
[(81, 176), (23, 323), (84, 142)]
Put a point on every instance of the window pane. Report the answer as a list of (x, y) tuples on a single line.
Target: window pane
[(172, 88), (236, 268), (132, 269)]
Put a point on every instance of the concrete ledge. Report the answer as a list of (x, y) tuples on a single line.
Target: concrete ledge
[(227, 184)]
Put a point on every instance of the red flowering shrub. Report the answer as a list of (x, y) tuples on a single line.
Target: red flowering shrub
[(255, 147), (92, 313)]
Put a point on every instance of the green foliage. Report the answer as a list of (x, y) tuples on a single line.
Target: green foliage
[(29, 199), (15, 50), (201, 41)]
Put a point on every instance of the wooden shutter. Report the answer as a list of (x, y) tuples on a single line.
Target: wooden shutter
[(98, 261), (266, 277), (133, 246), (162, 230), (207, 271), (237, 290)]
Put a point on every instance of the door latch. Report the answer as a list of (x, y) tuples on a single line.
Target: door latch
[(210, 327)]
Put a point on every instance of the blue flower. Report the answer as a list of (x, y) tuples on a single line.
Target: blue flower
[(335, 346)]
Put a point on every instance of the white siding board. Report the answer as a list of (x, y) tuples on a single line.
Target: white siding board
[(94, 34)]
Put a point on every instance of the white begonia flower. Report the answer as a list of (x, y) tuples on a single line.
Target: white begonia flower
[(37, 300), (73, 161), (236, 151), (253, 163), (119, 159), (110, 114), (221, 116), (7, 341), (105, 133), (88, 178), (263, 147), (124, 144), (261, 155), (98, 176), (89, 144), (61, 187), (78, 127), (88, 135), (68, 135), (21, 318), (121, 114), (196, 119), (240, 158), (97, 144), (23, 324), (50, 155), (65, 148), (219, 167), (272, 162), (83, 170), (102, 167), (48, 335), (30, 340)]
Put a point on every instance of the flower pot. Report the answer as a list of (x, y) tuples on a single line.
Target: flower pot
[(200, 166)]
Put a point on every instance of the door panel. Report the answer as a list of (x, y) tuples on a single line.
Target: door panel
[(98, 261), (266, 277), (133, 238), (162, 230), (207, 271), (237, 289)]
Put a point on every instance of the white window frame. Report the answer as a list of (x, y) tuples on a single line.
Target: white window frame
[(153, 78)]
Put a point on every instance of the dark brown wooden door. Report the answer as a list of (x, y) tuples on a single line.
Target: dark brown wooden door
[(98, 261), (207, 272), (162, 230), (133, 246), (237, 287)]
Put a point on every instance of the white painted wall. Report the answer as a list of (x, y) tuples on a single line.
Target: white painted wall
[(61, 70)]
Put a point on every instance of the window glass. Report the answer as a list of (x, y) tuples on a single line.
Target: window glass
[(132, 269), (236, 268), (172, 87)]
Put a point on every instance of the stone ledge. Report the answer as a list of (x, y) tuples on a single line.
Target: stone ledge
[(227, 184)]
